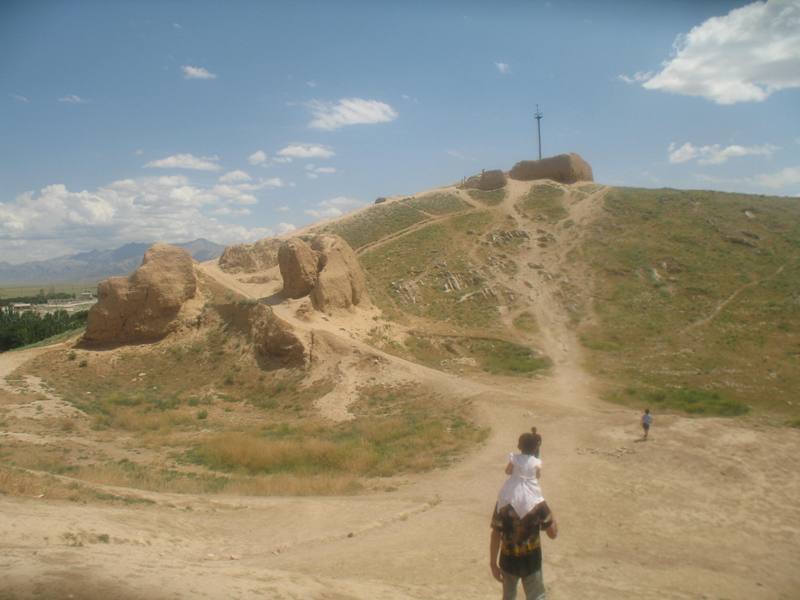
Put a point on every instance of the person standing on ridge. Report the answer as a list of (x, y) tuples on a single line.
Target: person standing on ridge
[(647, 420), (538, 441)]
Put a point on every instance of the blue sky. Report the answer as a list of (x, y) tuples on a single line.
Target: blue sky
[(138, 121)]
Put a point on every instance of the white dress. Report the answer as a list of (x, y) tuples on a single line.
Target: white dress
[(521, 490)]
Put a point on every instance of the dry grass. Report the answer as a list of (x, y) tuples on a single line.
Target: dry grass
[(697, 304), (544, 201), (423, 261)]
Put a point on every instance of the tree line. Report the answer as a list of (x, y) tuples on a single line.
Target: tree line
[(21, 329)]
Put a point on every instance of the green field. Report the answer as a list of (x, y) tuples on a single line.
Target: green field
[(15, 291)]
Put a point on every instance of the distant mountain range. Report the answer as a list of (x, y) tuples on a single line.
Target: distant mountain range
[(94, 265)]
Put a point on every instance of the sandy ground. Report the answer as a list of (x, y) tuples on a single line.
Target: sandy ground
[(707, 508)]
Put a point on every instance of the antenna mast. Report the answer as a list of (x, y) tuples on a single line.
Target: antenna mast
[(538, 115)]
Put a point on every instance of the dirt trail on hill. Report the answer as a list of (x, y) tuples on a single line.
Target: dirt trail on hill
[(706, 509)]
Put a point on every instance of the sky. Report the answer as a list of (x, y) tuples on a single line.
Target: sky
[(143, 121)]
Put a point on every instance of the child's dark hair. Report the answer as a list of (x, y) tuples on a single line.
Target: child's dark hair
[(527, 443)]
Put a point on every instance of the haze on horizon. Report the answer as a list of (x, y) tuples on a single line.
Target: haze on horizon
[(128, 122)]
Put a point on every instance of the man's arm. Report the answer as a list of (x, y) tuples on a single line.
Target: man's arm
[(494, 550)]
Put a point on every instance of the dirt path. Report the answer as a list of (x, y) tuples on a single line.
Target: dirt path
[(706, 509), (721, 306)]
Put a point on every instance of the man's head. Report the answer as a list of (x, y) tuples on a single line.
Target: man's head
[(533, 430), (647, 411), (527, 443)]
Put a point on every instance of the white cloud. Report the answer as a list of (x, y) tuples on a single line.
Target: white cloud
[(408, 98), (455, 154), (334, 207), (177, 26), (782, 179), (286, 228), (186, 161), (282, 208), (234, 194), (139, 152), (638, 77), (56, 220), (715, 154), (72, 99), (190, 72), (272, 182), (235, 176), (504, 68), (306, 151), (349, 111), (744, 56), (311, 83), (19, 98), (259, 157), (313, 171), (282, 159)]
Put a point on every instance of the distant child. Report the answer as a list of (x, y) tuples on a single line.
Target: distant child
[(647, 420), (522, 490)]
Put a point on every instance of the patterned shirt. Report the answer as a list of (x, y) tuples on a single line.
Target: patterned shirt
[(520, 549)]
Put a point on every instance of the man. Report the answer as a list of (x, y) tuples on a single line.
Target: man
[(518, 545), (537, 440)]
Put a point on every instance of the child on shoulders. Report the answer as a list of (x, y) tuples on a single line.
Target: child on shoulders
[(522, 490)]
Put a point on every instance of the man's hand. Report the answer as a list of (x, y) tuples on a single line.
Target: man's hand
[(497, 573), (552, 531)]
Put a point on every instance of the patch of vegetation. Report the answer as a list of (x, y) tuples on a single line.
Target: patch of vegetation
[(376, 222), (698, 290), (490, 198), (525, 322), (688, 400), (414, 273), (506, 358), (494, 356), (544, 202), (396, 431), (261, 434), (438, 203)]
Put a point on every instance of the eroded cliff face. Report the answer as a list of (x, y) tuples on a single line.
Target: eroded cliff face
[(250, 258), (144, 306), (324, 268)]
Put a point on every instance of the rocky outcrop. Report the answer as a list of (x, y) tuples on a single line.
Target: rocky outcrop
[(326, 269), (564, 168), (145, 305), (299, 268), (487, 180), (340, 282), (249, 258), (275, 339)]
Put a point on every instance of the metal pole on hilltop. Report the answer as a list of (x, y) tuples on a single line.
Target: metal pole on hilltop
[(539, 116)]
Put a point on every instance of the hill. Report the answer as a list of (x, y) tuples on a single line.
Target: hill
[(94, 265), (485, 311)]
